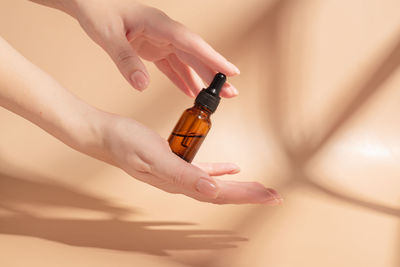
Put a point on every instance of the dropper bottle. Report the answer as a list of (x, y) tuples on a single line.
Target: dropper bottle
[(194, 124)]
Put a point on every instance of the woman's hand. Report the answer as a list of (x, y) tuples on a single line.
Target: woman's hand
[(123, 142), (129, 31), (146, 156)]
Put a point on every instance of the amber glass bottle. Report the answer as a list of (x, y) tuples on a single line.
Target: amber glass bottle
[(194, 124)]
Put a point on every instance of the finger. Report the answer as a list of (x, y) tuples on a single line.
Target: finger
[(206, 73), (190, 179), (186, 40), (232, 192), (191, 79), (195, 45), (217, 169), (164, 66), (128, 62), (185, 180)]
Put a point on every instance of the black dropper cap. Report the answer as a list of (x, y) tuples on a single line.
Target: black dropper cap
[(209, 97)]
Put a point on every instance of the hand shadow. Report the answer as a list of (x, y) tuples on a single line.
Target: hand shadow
[(113, 233), (118, 234)]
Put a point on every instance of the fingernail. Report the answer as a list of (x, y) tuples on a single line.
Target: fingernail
[(139, 80), (234, 90), (233, 168), (273, 198), (234, 171), (206, 187), (237, 71)]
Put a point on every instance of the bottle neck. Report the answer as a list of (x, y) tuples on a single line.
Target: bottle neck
[(203, 108)]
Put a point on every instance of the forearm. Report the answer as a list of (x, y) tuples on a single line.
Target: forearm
[(34, 95), (68, 6)]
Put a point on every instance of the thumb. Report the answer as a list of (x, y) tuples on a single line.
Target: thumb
[(187, 178), (129, 63)]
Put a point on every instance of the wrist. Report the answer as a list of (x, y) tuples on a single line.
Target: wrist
[(93, 141), (70, 7)]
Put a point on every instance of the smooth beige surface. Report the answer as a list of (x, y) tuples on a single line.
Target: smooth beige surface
[(317, 118)]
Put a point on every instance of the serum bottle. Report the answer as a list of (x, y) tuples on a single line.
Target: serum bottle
[(194, 124)]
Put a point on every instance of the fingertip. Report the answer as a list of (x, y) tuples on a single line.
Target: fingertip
[(229, 91), (273, 197), (230, 69), (218, 169), (235, 171), (225, 93), (189, 93), (233, 168), (235, 69), (139, 80), (275, 193), (263, 195), (234, 91)]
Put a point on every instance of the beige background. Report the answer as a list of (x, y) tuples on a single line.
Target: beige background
[(317, 118)]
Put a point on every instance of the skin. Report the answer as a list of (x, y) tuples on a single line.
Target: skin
[(120, 141), (129, 31)]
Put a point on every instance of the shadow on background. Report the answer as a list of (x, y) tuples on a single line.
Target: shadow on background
[(118, 234), (16, 192), (300, 154), (114, 233), (266, 31)]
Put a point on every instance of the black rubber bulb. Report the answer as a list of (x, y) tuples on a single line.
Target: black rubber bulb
[(209, 97), (216, 85)]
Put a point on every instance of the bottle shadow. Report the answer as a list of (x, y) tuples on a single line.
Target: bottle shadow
[(19, 198)]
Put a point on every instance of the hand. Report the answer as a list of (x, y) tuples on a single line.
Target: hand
[(116, 140), (147, 157), (129, 31)]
